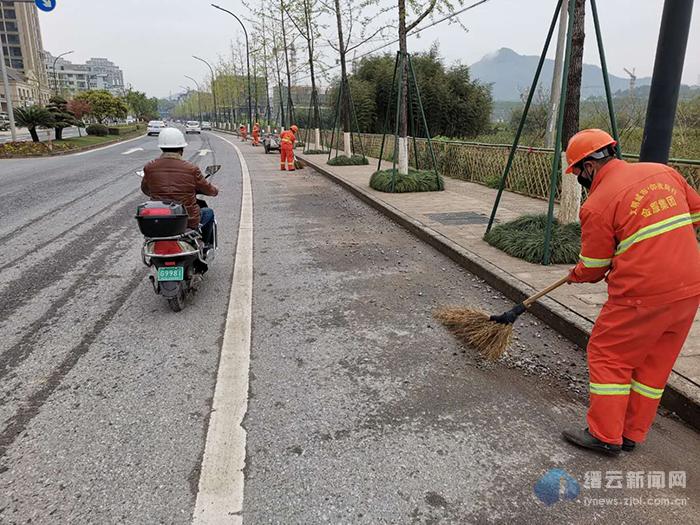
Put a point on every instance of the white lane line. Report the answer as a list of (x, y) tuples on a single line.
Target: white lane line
[(105, 147), (132, 150), (203, 152), (221, 480)]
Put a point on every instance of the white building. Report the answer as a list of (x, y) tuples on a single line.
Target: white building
[(96, 73)]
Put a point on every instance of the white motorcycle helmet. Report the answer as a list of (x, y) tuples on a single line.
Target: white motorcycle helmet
[(171, 138)]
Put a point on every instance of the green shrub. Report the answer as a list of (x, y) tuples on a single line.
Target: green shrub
[(416, 180), (114, 131), (344, 160), (493, 181), (524, 238), (97, 129), (316, 152)]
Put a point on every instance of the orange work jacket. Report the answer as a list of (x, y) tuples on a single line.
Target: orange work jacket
[(287, 137), (637, 231)]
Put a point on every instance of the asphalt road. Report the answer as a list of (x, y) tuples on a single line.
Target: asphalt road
[(361, 409)]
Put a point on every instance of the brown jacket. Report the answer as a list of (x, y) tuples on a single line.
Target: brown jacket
[(171, 178)]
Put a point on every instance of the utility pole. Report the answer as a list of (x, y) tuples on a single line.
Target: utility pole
[(666, 81)]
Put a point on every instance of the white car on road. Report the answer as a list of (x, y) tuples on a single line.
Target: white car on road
[(155, 127), (192, 126), (206, 125)]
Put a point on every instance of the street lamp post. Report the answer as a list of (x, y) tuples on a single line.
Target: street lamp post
[(213, 91), (247, 52), (55, 77), (199, 97)]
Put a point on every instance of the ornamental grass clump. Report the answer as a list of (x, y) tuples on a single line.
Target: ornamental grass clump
[(344, 160), (524, 238), (414, 181)]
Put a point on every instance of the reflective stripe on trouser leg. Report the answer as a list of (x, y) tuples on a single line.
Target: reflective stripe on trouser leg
[(649, 378)]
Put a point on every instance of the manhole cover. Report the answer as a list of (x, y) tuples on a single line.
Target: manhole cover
[(459, 217)]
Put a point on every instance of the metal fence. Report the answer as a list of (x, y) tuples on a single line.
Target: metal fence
[(484, 163)]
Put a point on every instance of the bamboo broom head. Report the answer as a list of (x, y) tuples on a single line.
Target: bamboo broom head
[(476, 329)]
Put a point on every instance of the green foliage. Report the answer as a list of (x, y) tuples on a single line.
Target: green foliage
[(141, 107), (344, 160), (454, 104), (62, 116), (34, 117), (524, 238), (316, 152), (124, 129), (416, 180), (103, 105), (99, 130)]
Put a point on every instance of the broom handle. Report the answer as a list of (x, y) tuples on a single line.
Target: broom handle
[(530, 300)]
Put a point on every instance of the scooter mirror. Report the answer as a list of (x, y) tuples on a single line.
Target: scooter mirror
[(140, 173), (210, 170)]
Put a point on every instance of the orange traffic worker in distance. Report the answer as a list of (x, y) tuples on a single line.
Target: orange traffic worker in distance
[(256, 134), (287, 140), (638, 233), (244, 132)]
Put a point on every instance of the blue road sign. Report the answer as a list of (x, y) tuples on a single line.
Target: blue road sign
[(45, 5)]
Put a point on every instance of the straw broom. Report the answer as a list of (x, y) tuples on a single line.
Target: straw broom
[(489, 334)]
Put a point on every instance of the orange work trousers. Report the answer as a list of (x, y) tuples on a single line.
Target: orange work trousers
[(286, 156), (631, 352), (256, 139)]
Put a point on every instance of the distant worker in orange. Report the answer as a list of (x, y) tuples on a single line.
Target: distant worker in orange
[(244, 132), (287, 140), (256, 134), (638, 233)]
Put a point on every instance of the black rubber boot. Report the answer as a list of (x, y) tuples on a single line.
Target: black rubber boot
[(584, 439), (627, 444)]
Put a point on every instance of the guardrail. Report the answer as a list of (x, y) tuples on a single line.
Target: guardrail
[(484, 163)]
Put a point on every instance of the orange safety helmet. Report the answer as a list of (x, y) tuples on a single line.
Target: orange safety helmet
[(294, 128), (585, 143)]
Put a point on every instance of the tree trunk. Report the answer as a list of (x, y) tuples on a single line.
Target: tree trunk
[(344, 84), (290, 103), (571, 193), (34, 134), (573, 94), (403, 82), (58, 133)]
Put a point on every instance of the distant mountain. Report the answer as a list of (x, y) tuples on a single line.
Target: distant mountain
[(511, 74)]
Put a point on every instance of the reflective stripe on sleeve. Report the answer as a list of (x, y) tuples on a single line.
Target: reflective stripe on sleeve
[(647, 391), (609, 389), (695, 217), (653, 230), (591, 262)]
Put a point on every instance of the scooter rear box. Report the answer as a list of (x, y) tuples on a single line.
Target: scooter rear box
[(161, 218)]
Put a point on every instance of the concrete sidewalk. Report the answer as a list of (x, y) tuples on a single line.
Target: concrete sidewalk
[(455, 220)]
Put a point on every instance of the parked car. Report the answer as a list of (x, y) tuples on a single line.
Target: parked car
[(155, 126), (271, 141), (192, 126), (206, 125)]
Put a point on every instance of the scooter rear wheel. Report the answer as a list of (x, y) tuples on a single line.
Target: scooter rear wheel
[(177, 303)]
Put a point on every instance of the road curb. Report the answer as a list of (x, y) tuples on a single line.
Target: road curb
[(680, 396)]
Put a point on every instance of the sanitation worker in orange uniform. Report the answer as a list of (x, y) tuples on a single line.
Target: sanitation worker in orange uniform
[(287, 140), (638, 233), (244, 132), (256, 134)]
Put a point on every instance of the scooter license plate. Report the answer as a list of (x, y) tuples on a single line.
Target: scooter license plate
[(171, 273)]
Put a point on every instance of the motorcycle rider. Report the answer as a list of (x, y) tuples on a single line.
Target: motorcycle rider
[(171, 178)]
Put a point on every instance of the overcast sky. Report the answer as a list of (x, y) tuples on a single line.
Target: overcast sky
[(153, 40)]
